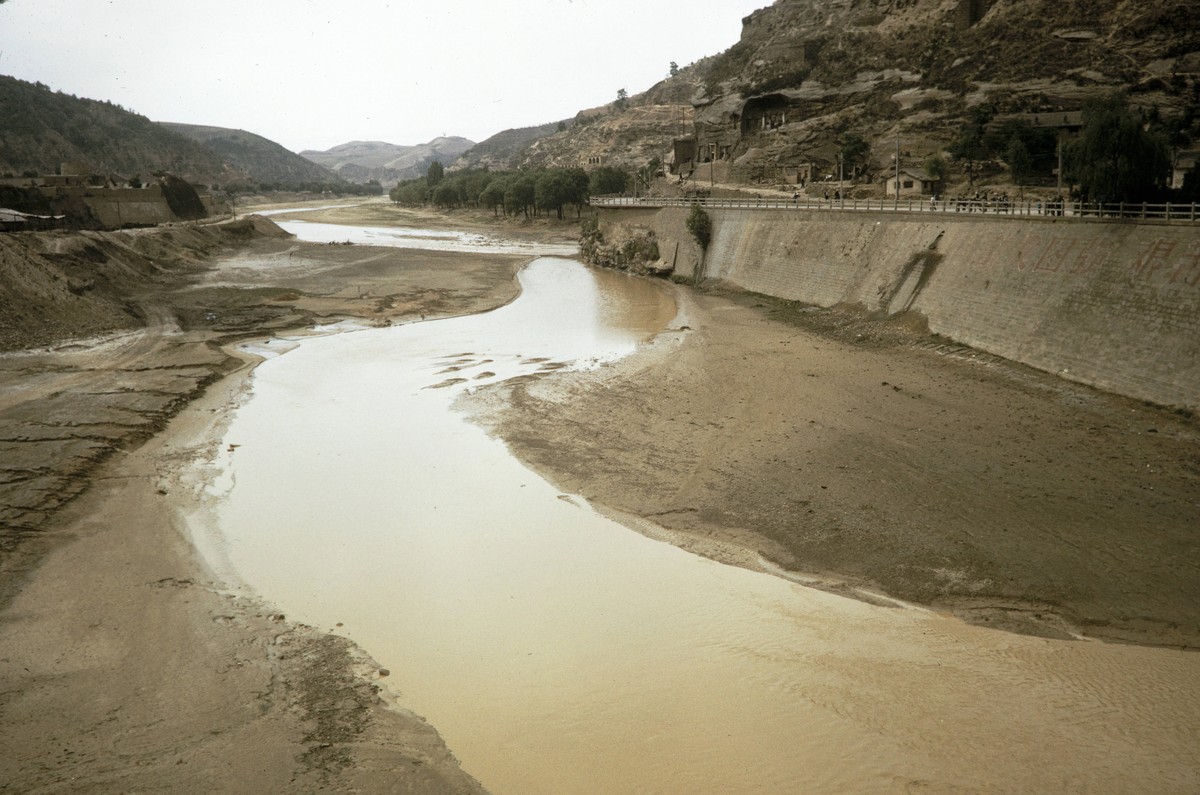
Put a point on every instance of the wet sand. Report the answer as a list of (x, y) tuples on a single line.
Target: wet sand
[(126, 665), (866, 455)]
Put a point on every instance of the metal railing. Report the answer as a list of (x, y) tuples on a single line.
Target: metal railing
[(1005, 208)]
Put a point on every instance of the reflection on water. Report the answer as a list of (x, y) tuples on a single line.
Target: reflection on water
[(558, 652), (430, 239)]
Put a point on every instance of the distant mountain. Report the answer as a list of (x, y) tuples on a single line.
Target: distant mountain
[(263, 161), (506, 150), (359, 161), (40, 129)]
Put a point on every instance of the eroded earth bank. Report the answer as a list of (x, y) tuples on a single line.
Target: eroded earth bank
[(866, 457)]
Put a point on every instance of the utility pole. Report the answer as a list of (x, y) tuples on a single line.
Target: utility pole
[(897, 198), (841, 180), (1060, 159)]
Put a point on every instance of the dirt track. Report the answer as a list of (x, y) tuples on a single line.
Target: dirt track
[(864, 454)]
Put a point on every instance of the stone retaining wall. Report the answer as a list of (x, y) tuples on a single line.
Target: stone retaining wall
[(1114, 305)]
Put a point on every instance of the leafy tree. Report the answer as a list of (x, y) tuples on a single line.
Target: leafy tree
[(552, 190), (674, 68), (700, 225), (521, 194), (856, 152), (435, 174), (1116, 159), (970, 146), (606, 180), (493, 195), (1020, 162), (446, 195), (577, 182), (622, 99), (410, 192), (562, 126), (937, 168)]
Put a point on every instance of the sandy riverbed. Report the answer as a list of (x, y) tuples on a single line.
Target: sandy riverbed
[(863, 454), (125, 664)]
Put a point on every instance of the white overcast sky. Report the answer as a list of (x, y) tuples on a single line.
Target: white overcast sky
[(311, 75)]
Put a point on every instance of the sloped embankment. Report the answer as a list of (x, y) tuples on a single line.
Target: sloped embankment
[(65, 285)]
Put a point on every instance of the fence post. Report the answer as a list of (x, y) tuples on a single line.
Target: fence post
[(1167, 211)]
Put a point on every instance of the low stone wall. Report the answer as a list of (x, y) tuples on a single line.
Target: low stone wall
[(1113, 305)]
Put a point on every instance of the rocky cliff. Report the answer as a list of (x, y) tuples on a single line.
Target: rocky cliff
[(806, 74)]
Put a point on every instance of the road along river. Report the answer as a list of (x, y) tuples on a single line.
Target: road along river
[(559, 652)]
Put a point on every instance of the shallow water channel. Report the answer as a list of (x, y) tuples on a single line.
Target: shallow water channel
[(559, 652)]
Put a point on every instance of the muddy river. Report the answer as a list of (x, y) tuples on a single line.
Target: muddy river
[(559, 652)]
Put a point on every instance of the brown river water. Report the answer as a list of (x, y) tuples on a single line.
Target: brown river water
[(557, 651)]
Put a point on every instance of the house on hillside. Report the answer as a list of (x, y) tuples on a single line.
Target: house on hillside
[(1066, 122), (1185, 161), (911, 182)]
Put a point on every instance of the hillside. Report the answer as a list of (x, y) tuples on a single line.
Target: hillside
[(262, 161), (41, 129), (359, 161), (506, 149), (807, 75)]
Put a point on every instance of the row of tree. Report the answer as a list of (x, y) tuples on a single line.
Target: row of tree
[(528, 192), (1121, 154)]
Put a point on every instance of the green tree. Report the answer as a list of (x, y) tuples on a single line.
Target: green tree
[(552, 191), (1115, 158), (700, 225), (856, 152), (1019, 161), (937, 168), (410, 192), (446, 195), (520, 195), (970, 147), (577, 186), (622, 99), (674, 68), (493, 195), (607, 180), (435, 174)]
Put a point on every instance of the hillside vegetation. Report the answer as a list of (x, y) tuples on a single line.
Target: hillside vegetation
[(261, 160), (40, 129)]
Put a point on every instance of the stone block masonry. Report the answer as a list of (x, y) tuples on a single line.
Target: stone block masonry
[(1113, 305)]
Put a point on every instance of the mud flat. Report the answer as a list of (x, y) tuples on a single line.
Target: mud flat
[(867, 456), (860, 457), (126, 664)]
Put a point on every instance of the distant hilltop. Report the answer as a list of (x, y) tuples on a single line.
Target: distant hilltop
[(360, 161)]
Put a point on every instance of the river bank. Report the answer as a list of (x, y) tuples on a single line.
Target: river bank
[(127, 664), (866, 456), (852, 452)]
